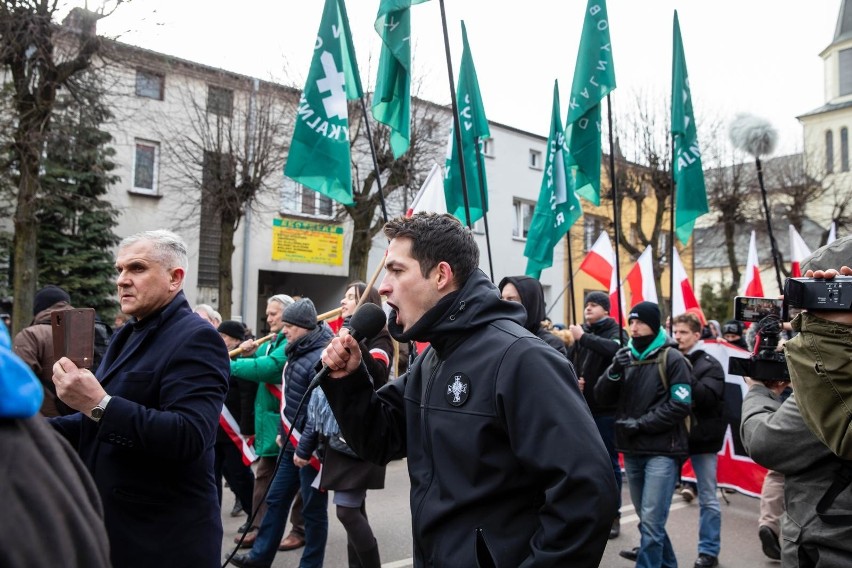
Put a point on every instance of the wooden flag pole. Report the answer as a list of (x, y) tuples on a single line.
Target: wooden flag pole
[(331, 314), (456, 123)]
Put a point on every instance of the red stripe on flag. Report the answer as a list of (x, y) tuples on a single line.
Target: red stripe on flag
[(597, 267)]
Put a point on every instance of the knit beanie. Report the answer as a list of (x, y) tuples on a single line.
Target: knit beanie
[(648, 313), (301, 313), (598, 298), (233, 328), (48, 296)]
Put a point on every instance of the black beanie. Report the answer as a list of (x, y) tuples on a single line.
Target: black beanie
[(301, 313), (48, 296), (648, 313), (233, 328), (599, 298)]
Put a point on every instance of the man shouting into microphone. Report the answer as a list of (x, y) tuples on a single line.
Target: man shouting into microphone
[(506, 465)]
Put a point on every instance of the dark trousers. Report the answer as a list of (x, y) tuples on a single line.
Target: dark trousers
[(228, 462)]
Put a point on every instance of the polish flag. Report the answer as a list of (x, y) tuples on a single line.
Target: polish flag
[(799, 251), (600, 260), (616, 308), (752, 286), (643, 287), (683, 299), (431, 194), (832, 234)]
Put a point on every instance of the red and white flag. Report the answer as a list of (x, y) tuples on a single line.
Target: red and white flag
[(799, 251), (229, 424), (832, 234), (683, 297), (643, 286), (431, 195), (600, 260), (752, 285)]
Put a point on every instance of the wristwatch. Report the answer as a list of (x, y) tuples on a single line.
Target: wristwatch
[(98, 411)]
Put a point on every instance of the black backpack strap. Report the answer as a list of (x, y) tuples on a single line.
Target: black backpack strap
[(842, 480)]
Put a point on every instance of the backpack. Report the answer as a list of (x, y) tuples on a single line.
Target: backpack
[(662, 360)]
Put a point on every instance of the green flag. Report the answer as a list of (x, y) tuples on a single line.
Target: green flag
[(691, 194), (594, 77), (319, 153), (392, 99), (473, 125), (558, 206)]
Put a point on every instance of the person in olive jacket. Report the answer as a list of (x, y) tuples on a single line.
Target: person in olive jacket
[(652, 385)]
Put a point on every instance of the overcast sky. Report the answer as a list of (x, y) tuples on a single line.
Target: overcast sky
[(757, 56)]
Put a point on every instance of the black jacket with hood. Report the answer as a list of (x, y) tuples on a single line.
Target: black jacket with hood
[(708, 404), (593, 353), (532, 298), (505, 463)]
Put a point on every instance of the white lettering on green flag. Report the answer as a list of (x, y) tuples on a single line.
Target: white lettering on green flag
[(319, 153), (392, 99), (558, 206), (691, 193), (473, 125), (594, 78)]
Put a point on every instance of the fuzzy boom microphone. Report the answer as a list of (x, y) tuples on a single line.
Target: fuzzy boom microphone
[(757, 137)]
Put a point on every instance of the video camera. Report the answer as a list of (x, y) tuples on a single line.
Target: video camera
[(819, 293), (766, 363)]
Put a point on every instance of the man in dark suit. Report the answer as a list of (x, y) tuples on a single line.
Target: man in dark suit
[(147, 423)]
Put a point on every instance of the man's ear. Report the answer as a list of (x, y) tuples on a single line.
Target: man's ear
[(444, 277), (176, 276)]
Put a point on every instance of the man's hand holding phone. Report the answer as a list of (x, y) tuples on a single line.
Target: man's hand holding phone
[(77, 387)]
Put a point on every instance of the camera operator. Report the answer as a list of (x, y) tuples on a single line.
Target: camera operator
[(776, 435)]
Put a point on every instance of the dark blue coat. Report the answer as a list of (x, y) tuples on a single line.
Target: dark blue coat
[(151, 455)]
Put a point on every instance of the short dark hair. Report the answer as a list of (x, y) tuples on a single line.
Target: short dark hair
[(689, 319), (437, 238)]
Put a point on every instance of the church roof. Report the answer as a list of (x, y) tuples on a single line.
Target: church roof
[(827, 107), (843, 31)]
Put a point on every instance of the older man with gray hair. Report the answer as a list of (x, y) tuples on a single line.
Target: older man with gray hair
[(147, 422)]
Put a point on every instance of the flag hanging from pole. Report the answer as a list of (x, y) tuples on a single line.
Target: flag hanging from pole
[(691, 193), (558, 206), (600, 260), (319, 153), (473, 125), (683, 296), (799, 251), (392, 99), (594, 78), (752, 284), (643, 285), (430, 197)]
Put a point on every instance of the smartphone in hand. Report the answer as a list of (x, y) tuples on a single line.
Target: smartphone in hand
[(74, 335)]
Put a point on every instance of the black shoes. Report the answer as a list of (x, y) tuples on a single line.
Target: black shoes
[(706, 561), (769, 540), (237, 509), (245, 561), (615, 530), (631, 554)]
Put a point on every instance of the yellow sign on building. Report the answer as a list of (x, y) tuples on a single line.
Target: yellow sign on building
[(306, 241)]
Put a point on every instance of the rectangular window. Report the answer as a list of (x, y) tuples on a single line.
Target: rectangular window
[(844, 149), (535, 160), (220, 101), (149, 84), (829, 152), (145, 166), (297, 199), (523, 218), (592, 229), (486, 146), (845, 71)]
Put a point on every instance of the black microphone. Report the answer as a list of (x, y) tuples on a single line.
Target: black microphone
[(368, 321)]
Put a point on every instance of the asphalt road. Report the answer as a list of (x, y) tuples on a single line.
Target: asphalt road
[(391, 521)]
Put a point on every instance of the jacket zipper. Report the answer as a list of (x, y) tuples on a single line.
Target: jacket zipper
[(428, 448)]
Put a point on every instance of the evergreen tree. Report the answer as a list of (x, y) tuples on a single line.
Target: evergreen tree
[(75, 220)]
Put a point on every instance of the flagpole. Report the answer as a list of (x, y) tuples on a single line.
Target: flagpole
[(375, 160), (672, 243), (772, 244), (572, 302), (562, 293), (484, 212), (456, 123), (615, 213)]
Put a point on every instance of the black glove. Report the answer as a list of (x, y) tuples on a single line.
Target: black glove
[(621, 360), (629, 425)]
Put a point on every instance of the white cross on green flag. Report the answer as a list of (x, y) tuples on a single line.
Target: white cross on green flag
[(691, 193), (319, 153), (392, 99), (594, 78), (473, 125), (558, 206)]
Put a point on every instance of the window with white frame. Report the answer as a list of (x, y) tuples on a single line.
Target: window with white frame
[(592, 228), (486, 146), (535, 159), (146, 163), (523, 218), (220, 101), (149, 84), (297, 199)]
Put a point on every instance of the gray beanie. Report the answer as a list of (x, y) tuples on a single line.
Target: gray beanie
[(301, 313), (599, 298), (834, 255)]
